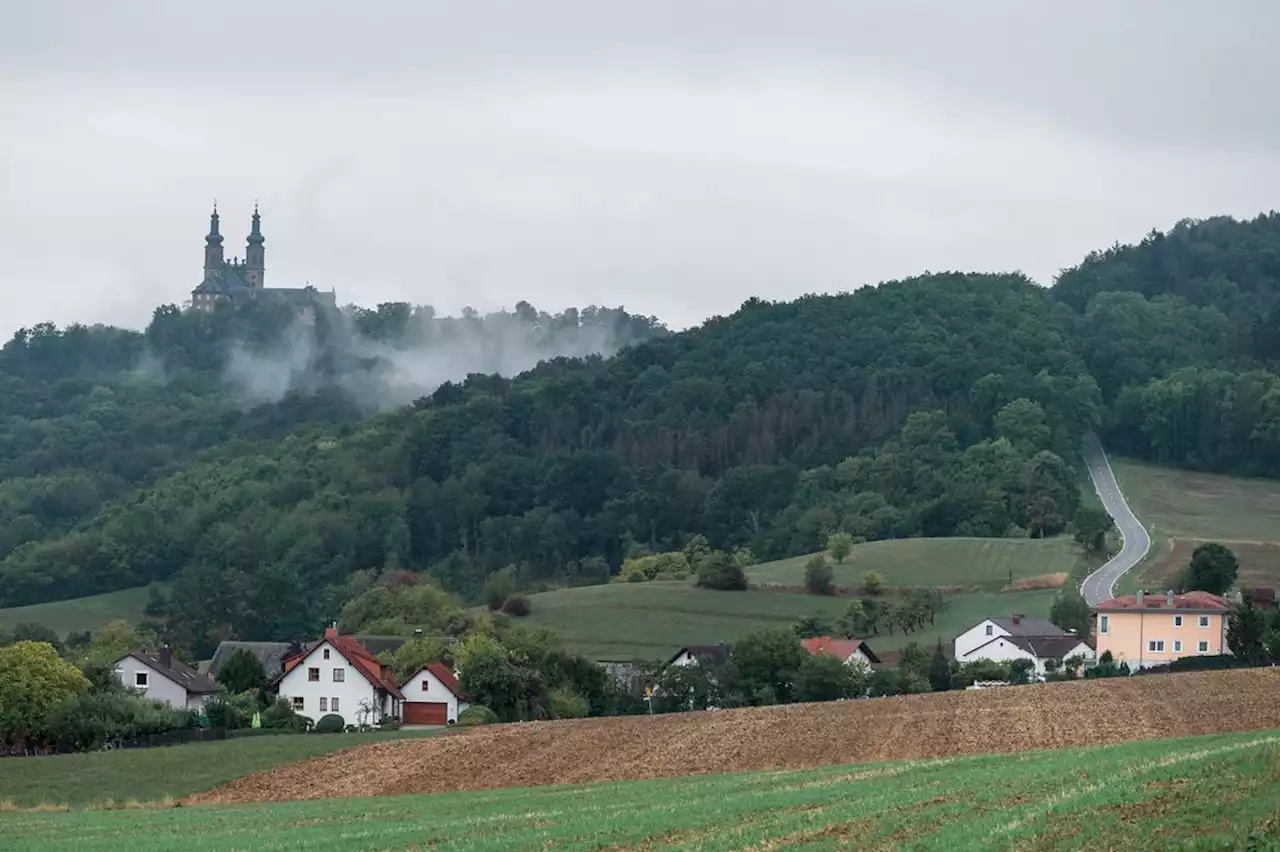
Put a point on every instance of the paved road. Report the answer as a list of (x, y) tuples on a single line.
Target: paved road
[(1099, 586)]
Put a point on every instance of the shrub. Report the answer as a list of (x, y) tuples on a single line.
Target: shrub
[(477, 715), (500, 586), (231, 711), (718, 571), (518, 605), (279, 715), (819, 578), (872, 583), (331, 723), (567, 704), (389, 725), (87, 721)]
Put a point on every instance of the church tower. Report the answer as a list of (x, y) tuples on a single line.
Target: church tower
[(254, 255), (213, 247)]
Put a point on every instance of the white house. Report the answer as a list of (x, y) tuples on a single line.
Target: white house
[(1037, 649), (160, 677), (848, 651), (993, 628), (432, 697), (337, 675), (691, 654)]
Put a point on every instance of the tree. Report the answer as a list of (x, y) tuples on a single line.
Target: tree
[(763, 667), (853, 622), (33, 680), (840, 545), (718, 570), (488, 675), (872, 584), (1070, 611), (1090, 526), (819, 578), (826, 678), (1020, 671), (939, 669), (811, 626), (243, 673), (500, 586), (1213, 569), (1246, 633)]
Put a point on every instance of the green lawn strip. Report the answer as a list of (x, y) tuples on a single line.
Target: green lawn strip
[(152, 774), (87, 613)]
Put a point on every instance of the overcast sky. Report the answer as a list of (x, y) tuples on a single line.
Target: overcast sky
[(675, 157)]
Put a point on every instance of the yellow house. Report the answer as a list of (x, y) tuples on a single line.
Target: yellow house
[(1146, 630)]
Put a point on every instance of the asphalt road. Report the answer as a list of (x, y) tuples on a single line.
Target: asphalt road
[(1099, 586)]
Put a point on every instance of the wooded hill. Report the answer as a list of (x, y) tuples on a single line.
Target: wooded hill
[(947, 404)]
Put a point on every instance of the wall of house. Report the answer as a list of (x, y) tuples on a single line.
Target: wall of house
[(350, 691), (685, 659), (158, 688), (1128, 635), (424, 686), (977, 636), (1001, 651)]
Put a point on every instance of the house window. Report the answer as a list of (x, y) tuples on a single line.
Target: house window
[(990, 629), (1204, 621), (1155, 646), (1177, 621), (298, 702), (1177, 646), (333, 705), (313, 675), (1204, 647), (426, 686), (324, 704), (339, 675), (326, 653), (1104, 623), (140, 679)]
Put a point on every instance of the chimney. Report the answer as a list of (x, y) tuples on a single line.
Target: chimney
[(1168, 598), (166, 656), (331, 632), (1017, 618), (1140, 597)]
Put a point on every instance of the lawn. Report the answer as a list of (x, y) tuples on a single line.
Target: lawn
[(650, 621), (151, 774), (987, 562), (80, 613), (1213, 792)]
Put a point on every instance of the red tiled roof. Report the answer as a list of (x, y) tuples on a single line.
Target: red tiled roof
[(842, 649), (1189, 601), (373, 670)]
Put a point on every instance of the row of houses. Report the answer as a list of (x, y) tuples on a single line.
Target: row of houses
[(335, 674)]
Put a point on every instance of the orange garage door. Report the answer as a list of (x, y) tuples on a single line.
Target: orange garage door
[(426, 713)]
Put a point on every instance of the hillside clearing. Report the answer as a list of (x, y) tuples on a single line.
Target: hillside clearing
[(1259, 563), (796, 736), (77, 614), (651, 621), (990, 563), (152, 774), (1213, 788), (1185, 504)]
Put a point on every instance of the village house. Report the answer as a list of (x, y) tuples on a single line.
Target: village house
[(1147, 630), (715, 655), (1003, 640), (432, 696), (847, 651), (160, 677), (337, 675)]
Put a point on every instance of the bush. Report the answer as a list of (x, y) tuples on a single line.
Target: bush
[(477, 715), (231, 711), (567, 704), (331, 723), (389, 725), (819, 578), (280, 716), (518, 605), (872, 584), (500, 586), (718, 571), (87, 721)]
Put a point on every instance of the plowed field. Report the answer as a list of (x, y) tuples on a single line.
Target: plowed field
[(1009, 719)]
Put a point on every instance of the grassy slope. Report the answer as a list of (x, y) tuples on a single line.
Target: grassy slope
[(151, 774), (1140, 796), (80, 613), (652, 620), (986, 562), (1182, 508)]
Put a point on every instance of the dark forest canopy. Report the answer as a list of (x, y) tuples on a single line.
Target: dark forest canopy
[(251, 459)]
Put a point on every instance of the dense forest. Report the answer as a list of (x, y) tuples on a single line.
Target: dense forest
[(250, 459)]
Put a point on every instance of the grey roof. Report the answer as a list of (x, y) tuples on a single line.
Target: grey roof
[(178, 672), (1020, 625), (376, 644), (270, 654), (717, 654), (1040, 647), (298, 295)]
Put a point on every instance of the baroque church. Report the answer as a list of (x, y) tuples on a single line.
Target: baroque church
[(241, 281)]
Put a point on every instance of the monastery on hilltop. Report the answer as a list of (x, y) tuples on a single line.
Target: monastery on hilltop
[(241, 281)]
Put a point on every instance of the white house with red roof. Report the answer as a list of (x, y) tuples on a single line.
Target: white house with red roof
[(432, 696), (847, 651), (337, 675)]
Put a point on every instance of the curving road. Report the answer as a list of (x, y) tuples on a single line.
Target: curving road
[(1099, 585)]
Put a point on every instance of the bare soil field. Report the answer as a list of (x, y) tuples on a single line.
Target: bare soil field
[(1009, 719)]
